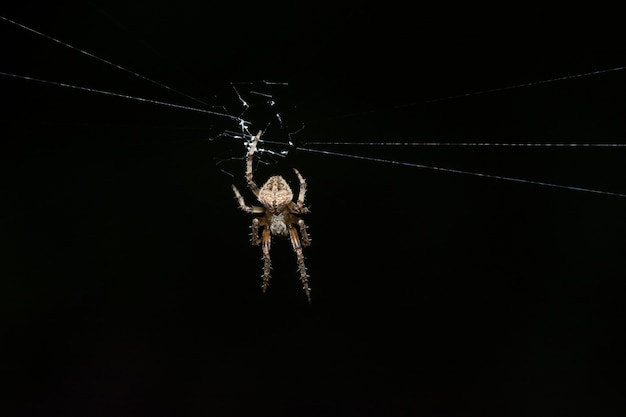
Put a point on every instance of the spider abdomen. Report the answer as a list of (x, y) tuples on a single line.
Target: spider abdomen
[(275, 194)]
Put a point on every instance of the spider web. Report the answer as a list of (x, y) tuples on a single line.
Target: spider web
[(282, 140), (259, 109), (249, 107)]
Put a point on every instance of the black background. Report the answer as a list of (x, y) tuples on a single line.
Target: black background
[(129, 287)]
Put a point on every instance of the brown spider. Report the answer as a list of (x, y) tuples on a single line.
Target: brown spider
[(280, 215)]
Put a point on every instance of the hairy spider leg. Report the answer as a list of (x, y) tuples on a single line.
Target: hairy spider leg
[(254, 235), (267, 263), (306, 241), (253, 187), (297, 248), (244, 206), (299, 206)]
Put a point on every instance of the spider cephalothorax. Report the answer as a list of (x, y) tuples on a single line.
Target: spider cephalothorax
[(280, 214)]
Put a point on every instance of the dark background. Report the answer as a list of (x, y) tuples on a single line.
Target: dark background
[(130, 288)]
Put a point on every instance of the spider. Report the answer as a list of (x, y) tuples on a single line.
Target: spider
[(280, 214)]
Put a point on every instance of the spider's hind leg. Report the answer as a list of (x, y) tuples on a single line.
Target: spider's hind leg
[(267, 263), (306, 240), (297, 248), (254, 234)]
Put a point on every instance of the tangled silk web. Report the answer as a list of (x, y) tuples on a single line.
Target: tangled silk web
[(257, 109), (257, 106)]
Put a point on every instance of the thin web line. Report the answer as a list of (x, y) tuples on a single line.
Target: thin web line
[(473, 93), (90, 55), (400, 106), (515, 86), (474, 144), (124, 96), (463, 172)]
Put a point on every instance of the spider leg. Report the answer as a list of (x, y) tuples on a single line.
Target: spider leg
[(243, 206), (306, 241), (267, 263), (253, 187), (297, 248), (255, 232), (300, 202)]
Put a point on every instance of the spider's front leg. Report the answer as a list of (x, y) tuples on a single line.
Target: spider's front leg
[(299, 205), (244, 206), (251, 184)]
